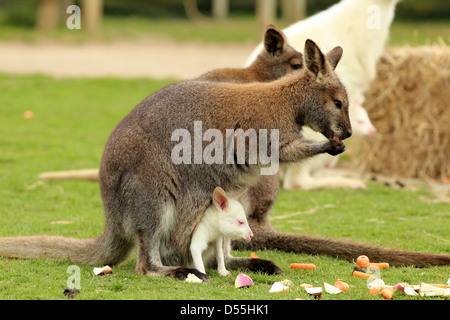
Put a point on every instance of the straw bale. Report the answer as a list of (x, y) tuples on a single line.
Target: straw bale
[(409, 104)]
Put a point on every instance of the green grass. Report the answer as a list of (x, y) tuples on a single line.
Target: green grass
[(71, 123)]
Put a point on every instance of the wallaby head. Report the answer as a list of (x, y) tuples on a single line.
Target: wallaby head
[(278, 58), (231, 216), (329, 112)]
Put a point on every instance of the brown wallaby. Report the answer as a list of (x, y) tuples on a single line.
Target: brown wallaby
[(276, 60), (152, 198)]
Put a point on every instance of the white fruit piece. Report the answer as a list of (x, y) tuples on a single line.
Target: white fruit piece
[(279, 288), (331, 289), (429, 290), (316, 292), (102, 271), (192, 278), (409, 290)]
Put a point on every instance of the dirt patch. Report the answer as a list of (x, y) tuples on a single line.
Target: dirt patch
[(158, 59)]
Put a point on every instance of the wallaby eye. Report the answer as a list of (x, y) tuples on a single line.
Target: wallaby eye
[(338, 104), (296, 66), (241, 221)]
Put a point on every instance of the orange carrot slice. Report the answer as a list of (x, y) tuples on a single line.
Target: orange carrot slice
[(309, 266), (378, 265), (374, 291), (363, 261), (363, 275), (341, 285), (253, 255), (388, 293)]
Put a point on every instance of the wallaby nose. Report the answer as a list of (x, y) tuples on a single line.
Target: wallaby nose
[(349, 133)]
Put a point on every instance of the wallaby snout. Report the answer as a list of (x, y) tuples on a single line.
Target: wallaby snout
[(248, 236)]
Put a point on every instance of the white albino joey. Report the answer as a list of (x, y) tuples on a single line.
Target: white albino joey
[(224, 218)]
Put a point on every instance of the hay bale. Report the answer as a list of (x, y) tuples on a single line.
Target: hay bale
[(409, 104)]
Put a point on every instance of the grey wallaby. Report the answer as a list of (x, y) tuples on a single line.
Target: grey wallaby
[(261, 197), (151, 200)]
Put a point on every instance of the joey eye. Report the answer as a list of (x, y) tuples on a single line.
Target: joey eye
[(338, 104), (241, 221), (296, 66)]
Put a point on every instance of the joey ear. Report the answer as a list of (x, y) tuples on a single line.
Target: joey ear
[(314, 58), (220, 199), (274, 40), (334, 56)]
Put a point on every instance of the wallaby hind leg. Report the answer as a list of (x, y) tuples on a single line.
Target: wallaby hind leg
[(148, 261)]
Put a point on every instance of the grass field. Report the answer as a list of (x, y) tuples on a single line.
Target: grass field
[(72, 119)]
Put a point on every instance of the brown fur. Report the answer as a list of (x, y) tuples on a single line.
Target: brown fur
[(276, 60), (149, 198), (263, 194)]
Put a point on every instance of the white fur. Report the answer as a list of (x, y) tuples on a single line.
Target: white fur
[(224, 218), (361, 28)]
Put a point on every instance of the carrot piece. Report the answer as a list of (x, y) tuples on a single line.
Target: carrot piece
[(388, 293), (341, 285), (253, 255), (309, 266), (374, 291), (363, 261), (363, 275), (378, 265)]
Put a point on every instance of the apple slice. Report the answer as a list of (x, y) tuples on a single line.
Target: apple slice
[(243, 280), (102, 271), (429, 290), (316, 292), (192, 278), (409, 290), (331, 289), (277, 287)]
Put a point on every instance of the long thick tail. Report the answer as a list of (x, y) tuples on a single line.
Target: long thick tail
[(265, 237), (97, 250)]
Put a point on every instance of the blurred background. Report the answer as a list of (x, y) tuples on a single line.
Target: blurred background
[(168, 25)]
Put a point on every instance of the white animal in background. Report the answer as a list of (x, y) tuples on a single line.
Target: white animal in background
[(361, 28), (224, 218)]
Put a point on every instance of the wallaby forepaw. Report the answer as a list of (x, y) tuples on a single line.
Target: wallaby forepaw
[(336, 146)]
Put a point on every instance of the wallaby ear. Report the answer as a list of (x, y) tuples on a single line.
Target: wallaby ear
[(237, 195), (334, 56), (314, 58), (274, 40), (220, 199)]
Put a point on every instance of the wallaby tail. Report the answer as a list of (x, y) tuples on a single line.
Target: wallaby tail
[(265, 237), (99, 250)]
